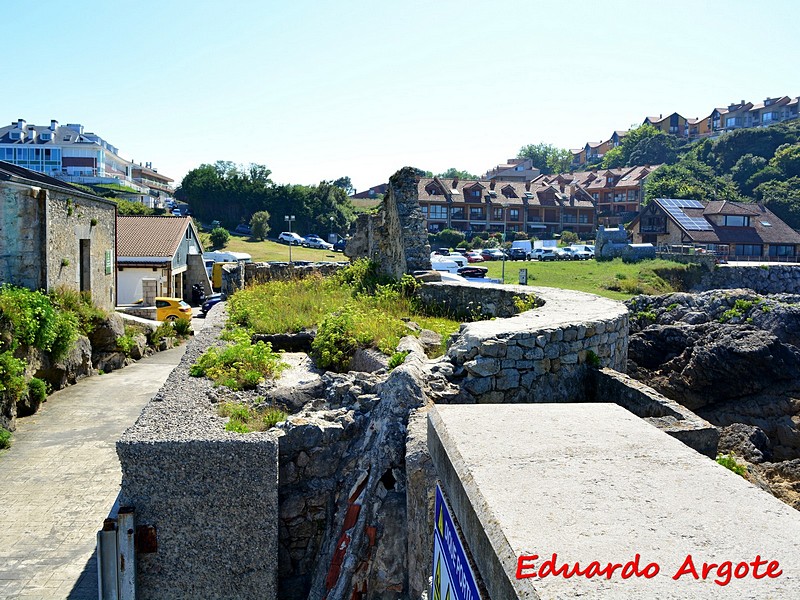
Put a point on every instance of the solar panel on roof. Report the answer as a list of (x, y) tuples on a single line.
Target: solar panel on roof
[(675, 206)]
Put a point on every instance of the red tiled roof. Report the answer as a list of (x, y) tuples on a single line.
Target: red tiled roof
[(150, 236)]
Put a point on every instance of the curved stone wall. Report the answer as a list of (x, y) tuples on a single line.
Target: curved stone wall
[(539, 355)]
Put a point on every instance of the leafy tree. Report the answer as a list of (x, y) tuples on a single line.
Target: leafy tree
[(747, 166), (547, 158), (453, 173), (613, 159), (787, 160), (569, 237), (689, 178), (126, 207), (219, 237), (654, 150), (448, 238), (782, 198), (259, 224), (346, 185)]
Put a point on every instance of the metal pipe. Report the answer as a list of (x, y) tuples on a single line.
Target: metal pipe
[(126, 554), (107, 582)]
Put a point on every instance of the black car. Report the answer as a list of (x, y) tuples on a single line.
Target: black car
[(339, 245), (471, 271), (517, 254), (210, 301)]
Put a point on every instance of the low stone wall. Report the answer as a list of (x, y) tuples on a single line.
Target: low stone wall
[(608, 385), (762, 279), (236, 277), (539, 355), (473, 298), (211, 495), (145, 312)]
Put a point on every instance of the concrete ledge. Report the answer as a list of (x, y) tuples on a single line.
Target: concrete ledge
[(665, 414), (592, 482)]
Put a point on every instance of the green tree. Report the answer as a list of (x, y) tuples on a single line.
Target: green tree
[(346, 185), (259, 224), (689, 178), (546, 157), (453, 173), (782, 198), (569, 237), (126, 207), (787, 160), (613, 159), (640, 135), (219, 237), (744, 169), (448, 238), (658, 149)]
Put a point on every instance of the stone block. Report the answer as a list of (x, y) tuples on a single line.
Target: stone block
[(483, 367)]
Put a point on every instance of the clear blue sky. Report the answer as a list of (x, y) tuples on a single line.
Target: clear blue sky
[(318, 90)]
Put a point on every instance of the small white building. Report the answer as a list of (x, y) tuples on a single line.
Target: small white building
[(166, 249)]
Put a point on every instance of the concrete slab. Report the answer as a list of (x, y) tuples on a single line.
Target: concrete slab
[(592, 482)]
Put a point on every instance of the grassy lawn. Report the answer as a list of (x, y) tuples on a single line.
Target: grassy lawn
[(267, 251), (612, 279)]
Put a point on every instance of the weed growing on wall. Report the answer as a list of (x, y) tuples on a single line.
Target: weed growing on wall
[(729, 462), (246, 419), (239, 365), (5, 438)]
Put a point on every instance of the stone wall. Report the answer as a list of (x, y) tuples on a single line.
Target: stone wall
[(475, 299), (762, 279), (539, 355), (212, 495), (607, 385), (395, 238), (41, 238)]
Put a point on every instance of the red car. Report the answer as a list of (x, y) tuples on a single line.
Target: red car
[(474, 257)]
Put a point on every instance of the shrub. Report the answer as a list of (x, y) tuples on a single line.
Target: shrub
[(259, 225), (219, 237), (524, 303), (569, 237), (465, 245), (335, 343), (126, 343), (245, 419), (80, 304), (12, 376), (397, 359), (241, 365), (729, 462), (164, 330), (5, 438), (592, 359), (37, 391), (183, 327)]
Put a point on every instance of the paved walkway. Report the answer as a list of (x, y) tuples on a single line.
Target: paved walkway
[(60, 479)]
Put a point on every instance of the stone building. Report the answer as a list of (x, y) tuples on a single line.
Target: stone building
[(53, 234)]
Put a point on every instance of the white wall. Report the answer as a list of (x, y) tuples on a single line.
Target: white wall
[(129, 282)]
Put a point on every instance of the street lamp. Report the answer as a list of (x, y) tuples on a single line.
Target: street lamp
[(330, 235), (290, 219), (505, 220)]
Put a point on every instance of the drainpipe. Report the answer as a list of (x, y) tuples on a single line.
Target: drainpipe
[(127, 554)]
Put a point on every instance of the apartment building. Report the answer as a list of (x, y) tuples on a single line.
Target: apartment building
[(541, 207), (514, 169), (70, 153)]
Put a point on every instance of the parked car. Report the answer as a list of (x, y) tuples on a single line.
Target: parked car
[(563, 254), (517, 254), (456, 257), (543, 254), (172, 309), (211, 301), (475, 272), (492, 254), (579, 253), (243, 228), (339, 245), (588, 248), (176, 212), (474, 257), (291, 238), (314, 241)]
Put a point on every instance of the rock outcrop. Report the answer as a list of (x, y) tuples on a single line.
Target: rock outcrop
[(733, 357)]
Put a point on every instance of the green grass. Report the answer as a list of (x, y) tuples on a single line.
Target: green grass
[(241, 365), (273, 251), (612, 279), (246, 419)]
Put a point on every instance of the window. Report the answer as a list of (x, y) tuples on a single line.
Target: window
[(736, 221), (513, 214), (457, 213), (748, 249), (477, 213), (497, 214), (424, 208), (781, 250), (438, 212), (476, 193)]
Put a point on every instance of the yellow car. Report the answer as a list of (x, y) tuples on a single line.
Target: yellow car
[(172, 309)]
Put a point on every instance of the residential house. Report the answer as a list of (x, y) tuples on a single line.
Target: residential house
[(616, 193), (163, 248), (737, 116), (515, 169), (54, 235), (594, 151), (772, 110), (578, 157), (738, 230), (157, 187), (70, 153), (616, 138), (543, 206), (674, 124), (377, 191)]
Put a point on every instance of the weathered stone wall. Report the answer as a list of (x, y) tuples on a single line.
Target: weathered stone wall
[(539, 355), (763, 279), (212, 495), (466, 300), (69, 220), (607, 385), (396, 237), (21, 237)]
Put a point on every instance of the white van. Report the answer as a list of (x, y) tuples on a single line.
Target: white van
[(227, 256)]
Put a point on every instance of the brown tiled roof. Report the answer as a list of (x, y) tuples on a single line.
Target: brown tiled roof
[(723, 207), (150, 236)]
